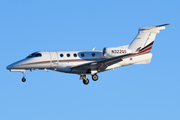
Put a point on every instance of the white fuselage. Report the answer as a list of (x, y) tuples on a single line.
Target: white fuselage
[(62, 61)]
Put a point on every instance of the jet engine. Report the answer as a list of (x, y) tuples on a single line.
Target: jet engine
[(115, 51)]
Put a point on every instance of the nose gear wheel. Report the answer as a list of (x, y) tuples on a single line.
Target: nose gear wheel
[(23, 79)]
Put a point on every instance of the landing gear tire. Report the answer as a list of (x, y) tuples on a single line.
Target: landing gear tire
[(95, 77), (23, 79), (86, 81)]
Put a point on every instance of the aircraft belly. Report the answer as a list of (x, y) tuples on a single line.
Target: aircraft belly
[(114, 66), (66, 67)]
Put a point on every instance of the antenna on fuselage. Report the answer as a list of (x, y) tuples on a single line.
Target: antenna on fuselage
[(93, 49)]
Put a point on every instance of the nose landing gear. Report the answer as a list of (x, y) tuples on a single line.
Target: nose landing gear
[(23, 79)]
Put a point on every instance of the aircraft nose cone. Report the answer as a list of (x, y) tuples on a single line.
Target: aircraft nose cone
[(11, 66), (15, 65), (8, 67)]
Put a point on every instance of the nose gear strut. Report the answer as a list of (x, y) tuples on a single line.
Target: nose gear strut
[(23, 79)]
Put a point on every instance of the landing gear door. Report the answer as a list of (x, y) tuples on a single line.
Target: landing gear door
[(54, 59)]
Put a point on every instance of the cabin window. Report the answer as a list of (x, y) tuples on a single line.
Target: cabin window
[(61, 55), (82, 54), (75, 55), (93, 54), (68, 55)]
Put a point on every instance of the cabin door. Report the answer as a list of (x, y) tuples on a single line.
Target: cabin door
[(54, 59)]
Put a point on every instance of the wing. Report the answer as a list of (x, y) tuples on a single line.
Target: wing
[(98, 66)]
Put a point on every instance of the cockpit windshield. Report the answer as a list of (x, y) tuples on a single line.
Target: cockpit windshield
[(38, 55), (34, 55)]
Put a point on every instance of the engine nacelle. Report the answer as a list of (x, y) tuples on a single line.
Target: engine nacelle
[(115, 51)]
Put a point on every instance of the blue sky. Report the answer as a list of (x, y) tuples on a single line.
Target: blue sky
[(136, 92)]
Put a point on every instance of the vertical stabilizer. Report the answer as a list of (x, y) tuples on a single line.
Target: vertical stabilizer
[(144, 40)]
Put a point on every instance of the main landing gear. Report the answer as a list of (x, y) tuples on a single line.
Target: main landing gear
[(86, 80), (95, 77)]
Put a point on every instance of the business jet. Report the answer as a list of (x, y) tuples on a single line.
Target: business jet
[(93, 61)]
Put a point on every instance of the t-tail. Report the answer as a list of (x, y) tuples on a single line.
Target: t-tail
[(143, 42)]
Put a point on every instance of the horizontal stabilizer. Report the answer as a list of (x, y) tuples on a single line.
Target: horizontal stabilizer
[(156, 27), (164, 25)]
